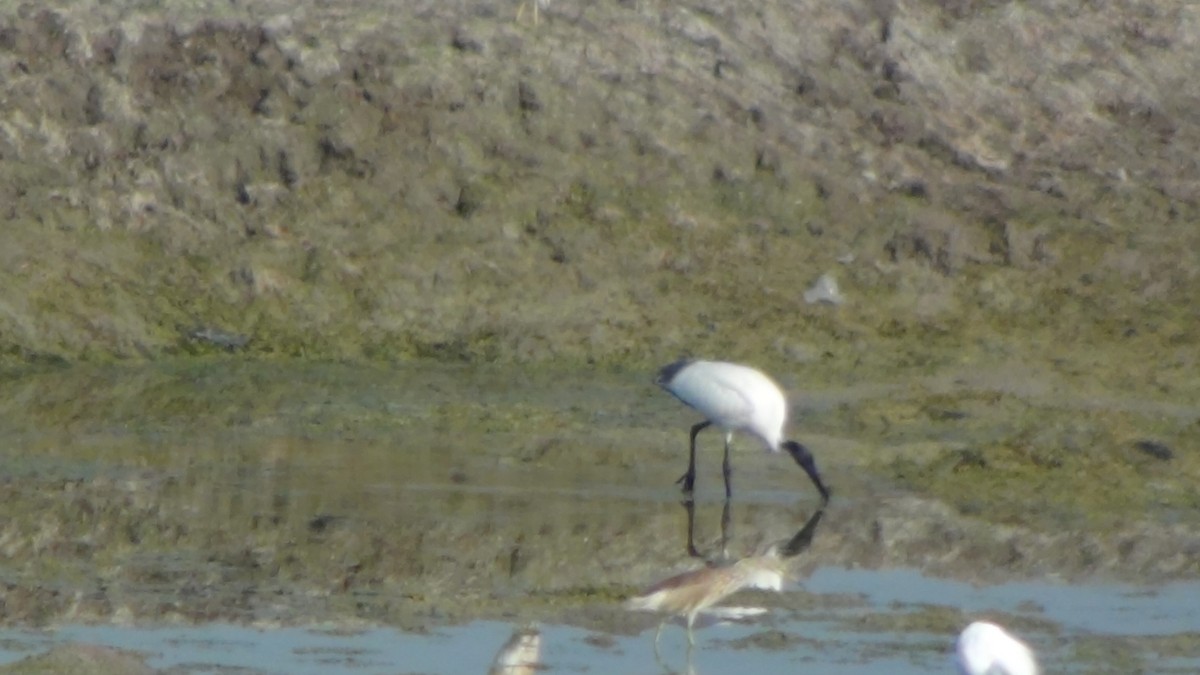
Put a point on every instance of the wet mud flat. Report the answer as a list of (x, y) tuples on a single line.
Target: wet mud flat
[(426, 497)]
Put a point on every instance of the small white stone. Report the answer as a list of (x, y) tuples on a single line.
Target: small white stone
[(824, 290)]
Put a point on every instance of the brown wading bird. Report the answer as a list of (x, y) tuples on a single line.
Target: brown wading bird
[(692, 593)]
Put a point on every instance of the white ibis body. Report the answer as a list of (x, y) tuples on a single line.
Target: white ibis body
[(987, 649), (734, 398)]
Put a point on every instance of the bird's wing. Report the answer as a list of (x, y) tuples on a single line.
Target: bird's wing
[(672, 591), (715, 392)]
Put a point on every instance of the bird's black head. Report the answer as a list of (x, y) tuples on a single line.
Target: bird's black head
[(805, 459)]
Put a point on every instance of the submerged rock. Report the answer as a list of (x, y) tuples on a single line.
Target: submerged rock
[(824, 291)]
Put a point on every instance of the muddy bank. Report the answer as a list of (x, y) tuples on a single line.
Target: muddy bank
[(274, 494)]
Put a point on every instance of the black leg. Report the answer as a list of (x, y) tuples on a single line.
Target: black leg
[(726, 516), (689, 479), (690, 507), (727, 470)]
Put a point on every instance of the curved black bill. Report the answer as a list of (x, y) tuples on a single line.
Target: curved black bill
[(805, 459)]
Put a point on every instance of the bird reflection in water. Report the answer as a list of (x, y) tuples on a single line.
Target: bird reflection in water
[(694, 593), (520, 655)]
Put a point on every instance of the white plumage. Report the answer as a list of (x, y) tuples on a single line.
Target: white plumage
[(734, 398), (987, 649)]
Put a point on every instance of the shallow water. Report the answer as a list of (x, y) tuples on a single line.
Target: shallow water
[(832, 639), (442, 505)]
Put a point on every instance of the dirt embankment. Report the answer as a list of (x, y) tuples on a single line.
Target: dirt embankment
[(624, 180)]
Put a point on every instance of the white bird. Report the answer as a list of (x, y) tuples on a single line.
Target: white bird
[(987, 649), (735, 398)]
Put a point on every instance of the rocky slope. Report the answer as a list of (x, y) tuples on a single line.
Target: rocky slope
[(623, 181)]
